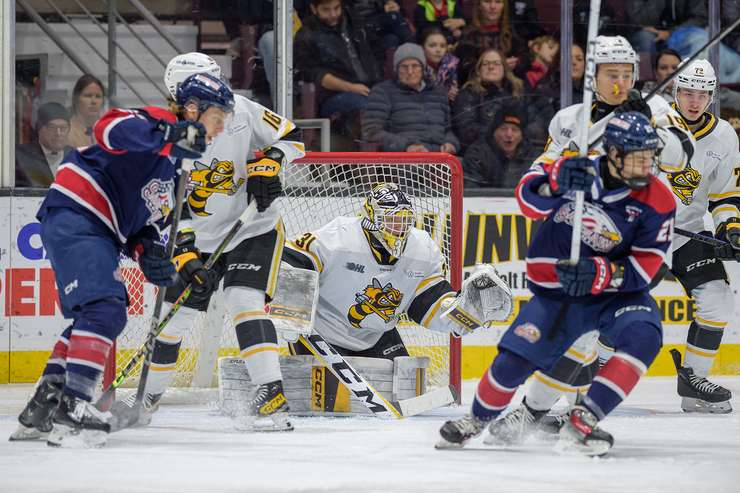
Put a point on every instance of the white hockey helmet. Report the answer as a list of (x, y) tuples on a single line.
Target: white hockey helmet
[(616, 49), (698, 75), (183, 66)]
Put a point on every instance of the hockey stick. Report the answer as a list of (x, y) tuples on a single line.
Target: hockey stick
[(362, 390), (659, 88), (588, 96), (107, 396), (709, 240)]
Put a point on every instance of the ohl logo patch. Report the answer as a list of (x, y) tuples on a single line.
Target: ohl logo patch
[(207, 180), (684, 184), (380, 300)]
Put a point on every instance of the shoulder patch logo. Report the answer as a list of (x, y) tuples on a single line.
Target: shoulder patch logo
[(207, 180), (684, 184), (158, 196), (375, 298)]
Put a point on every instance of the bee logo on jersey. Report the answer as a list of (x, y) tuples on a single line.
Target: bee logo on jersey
[(380, 300), (207, 180), (599, 231), (158, 198), (684, 184)]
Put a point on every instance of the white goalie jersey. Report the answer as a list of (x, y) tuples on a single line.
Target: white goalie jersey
[(361, 295), (565, 128), (711, 182), (217, 192)]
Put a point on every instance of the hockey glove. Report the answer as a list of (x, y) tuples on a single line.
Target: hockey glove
[(188, 138), (571, 174), (590, 275), (263, 180), (730, 231), (152, 258), (189, 264), (635, 102)]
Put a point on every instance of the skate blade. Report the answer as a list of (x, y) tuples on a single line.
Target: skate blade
[(274, 423), (592, 448), (23, 433), (693, 405), (66, 437), (443, 444)]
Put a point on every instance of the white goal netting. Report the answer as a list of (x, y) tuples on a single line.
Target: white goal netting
[(319, 188)]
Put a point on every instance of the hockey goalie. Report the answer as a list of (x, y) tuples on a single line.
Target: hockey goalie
[(378, 266)]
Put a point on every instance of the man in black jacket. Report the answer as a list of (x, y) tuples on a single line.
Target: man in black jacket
[(36, 162), (336, 54), (500, 157)]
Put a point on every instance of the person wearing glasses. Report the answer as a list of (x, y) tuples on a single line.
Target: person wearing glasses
[(409, 113), (36, 162)]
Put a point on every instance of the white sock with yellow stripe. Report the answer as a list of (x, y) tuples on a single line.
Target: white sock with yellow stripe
[(255, 333), (167, 349), (702, 345), (572, 373)]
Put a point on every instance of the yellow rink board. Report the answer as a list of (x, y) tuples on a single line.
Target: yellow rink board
[(26, 366)]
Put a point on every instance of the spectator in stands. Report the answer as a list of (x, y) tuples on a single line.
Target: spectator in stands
[(336, 53), (490, 28), (88, 97), (384, 19), (525, 21), (543, 53), (608, 25), (499, 157), (666, 63), (444, 14), (577, 71), (36, 162), (409, 114), (441, 64), (491, 86)]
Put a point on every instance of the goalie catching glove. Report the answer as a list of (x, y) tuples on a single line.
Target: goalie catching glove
[(484, 298), (263, 180), (189, 264)]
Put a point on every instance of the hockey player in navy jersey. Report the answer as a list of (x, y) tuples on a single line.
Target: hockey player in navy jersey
[(110, 198), (627, 226)]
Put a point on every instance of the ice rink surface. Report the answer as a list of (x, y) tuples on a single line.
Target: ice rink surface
[(190, 448)]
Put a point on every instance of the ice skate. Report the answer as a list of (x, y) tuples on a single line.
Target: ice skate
[(699, 395), (515, 427), (267, 410), (551, 423), (126, 415), (458, 432), (78, 424), (581, 433), (35, 419)]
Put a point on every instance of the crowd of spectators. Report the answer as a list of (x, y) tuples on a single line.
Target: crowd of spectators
[(476, 78)]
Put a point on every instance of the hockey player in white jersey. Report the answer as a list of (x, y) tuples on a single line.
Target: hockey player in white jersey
[(709, 183), (224, 181), (376, 267)]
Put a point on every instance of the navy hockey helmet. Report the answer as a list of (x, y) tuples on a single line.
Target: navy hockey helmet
[(388, 216), (205, 90), (630, 132)]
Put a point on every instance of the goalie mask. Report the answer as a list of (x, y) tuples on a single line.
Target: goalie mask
[(389, 217)]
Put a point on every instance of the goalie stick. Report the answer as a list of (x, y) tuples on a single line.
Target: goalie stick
[(109, 393), (362, 390)]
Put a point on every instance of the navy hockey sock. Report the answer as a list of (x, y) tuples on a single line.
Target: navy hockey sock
[(497, 386)]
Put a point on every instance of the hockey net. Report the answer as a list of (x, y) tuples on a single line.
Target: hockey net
[(319, 188)]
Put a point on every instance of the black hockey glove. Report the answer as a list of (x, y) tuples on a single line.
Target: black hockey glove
[(635, 102), (190, 266), (188, 138), (590, 275), (152, 258), (263, 180), (571, 174), (729, 231)]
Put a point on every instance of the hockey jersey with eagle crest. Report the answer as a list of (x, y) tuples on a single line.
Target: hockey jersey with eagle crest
[(632, 228), (363, 291)]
